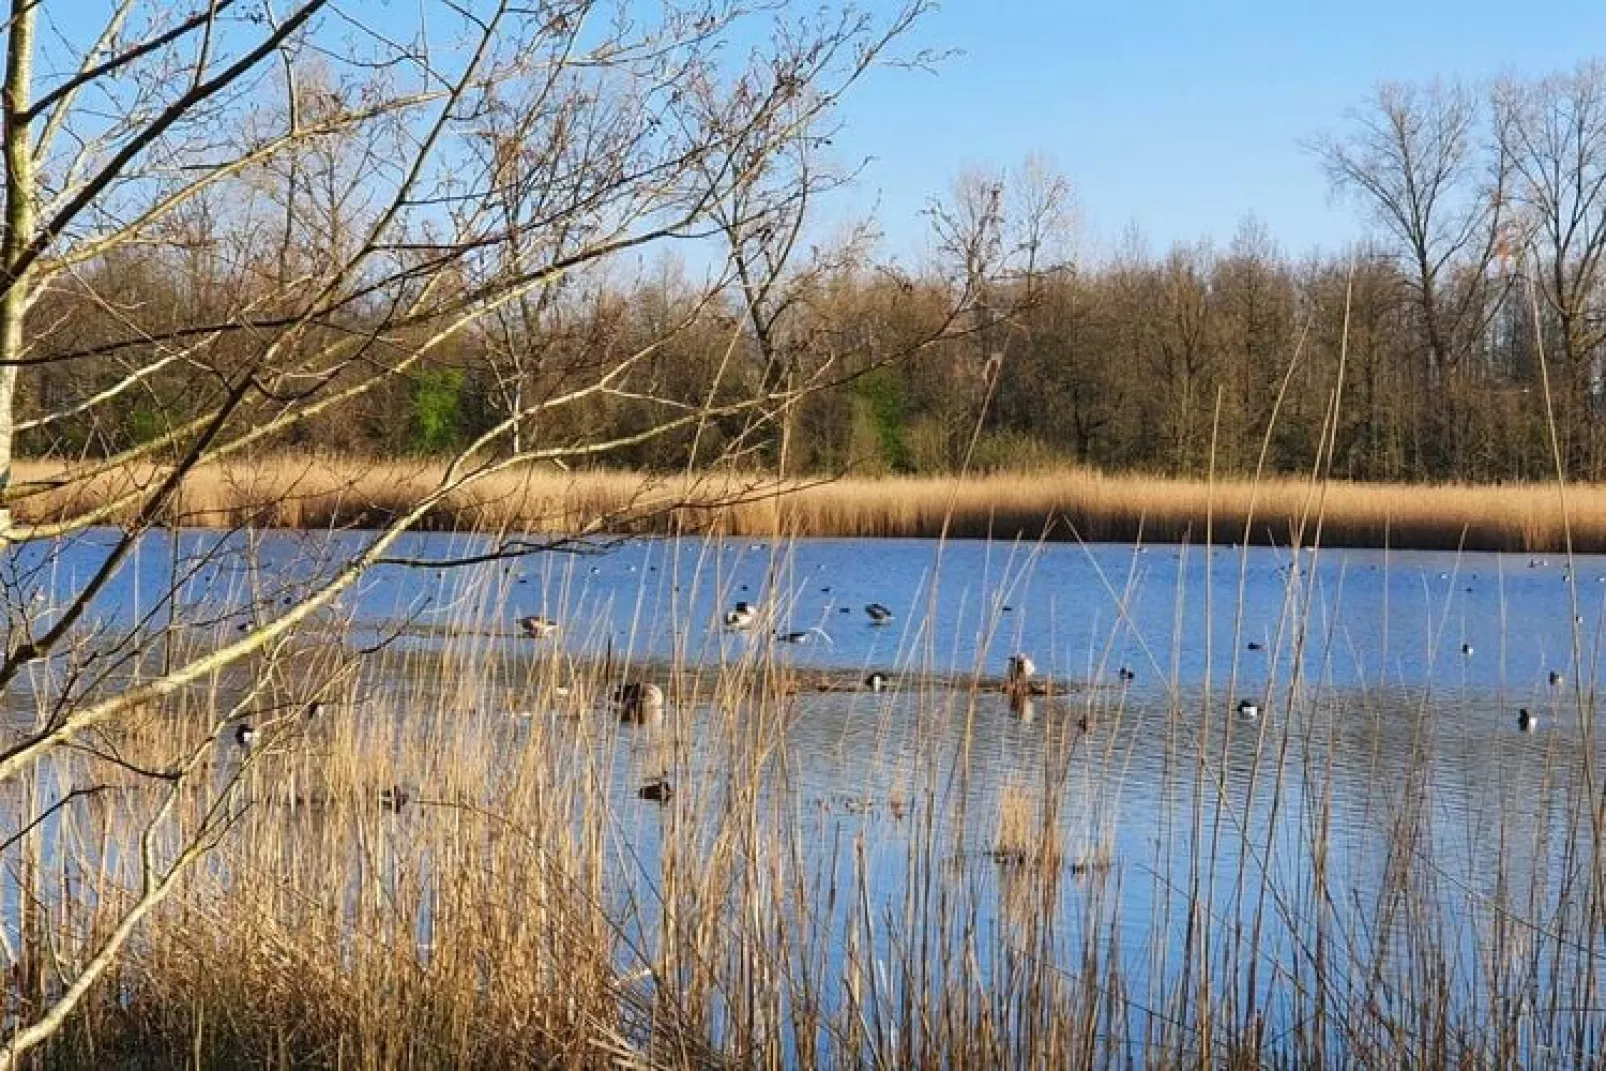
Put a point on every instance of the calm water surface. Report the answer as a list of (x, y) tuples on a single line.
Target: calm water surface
[(1168, 613), (1392, 708)]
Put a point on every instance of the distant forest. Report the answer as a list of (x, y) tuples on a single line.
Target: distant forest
[(1423, 353)]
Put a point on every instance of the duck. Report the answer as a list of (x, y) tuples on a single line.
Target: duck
[(879, 614), (741, 616), (1126, 674), (1527, 721), (316, 709), (394, 798), (658, 790), (639, 703), (1255, 645), (1556, 679), (245, 735), (1248, 709), (1466, 650), (538, 627), (1021, 669), (877, 681)]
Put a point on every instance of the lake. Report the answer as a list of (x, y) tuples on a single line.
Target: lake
[(1182, 616), (1385, 779)]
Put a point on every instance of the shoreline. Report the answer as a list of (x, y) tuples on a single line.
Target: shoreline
[(1058, 505)]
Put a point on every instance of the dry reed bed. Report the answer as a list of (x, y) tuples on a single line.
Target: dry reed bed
[(1062, 504)]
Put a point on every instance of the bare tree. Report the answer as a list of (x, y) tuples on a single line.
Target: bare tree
[(1554, 134), (1414, 158), (393, 195)]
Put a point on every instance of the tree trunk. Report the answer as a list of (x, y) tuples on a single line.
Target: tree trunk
[(18, 231)]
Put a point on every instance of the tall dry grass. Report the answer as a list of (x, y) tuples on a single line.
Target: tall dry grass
[(1056, 504)]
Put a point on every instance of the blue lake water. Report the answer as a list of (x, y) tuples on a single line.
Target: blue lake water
[(1496, 624), (1389, 683)]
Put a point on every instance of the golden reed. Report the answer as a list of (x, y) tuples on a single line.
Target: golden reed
[(1057, 504)]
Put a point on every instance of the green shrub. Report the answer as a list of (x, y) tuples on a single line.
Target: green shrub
[(437, 410)]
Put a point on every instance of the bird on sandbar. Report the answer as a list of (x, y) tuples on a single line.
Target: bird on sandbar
[(538, 627), (1021, 669), (639, 703)]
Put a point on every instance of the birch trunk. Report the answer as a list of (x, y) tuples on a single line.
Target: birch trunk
[(18, 231)]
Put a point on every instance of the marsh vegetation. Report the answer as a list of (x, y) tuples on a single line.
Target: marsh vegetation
[(1058, 504)]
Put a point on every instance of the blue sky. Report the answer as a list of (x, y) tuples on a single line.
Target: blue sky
[(1180, 118)]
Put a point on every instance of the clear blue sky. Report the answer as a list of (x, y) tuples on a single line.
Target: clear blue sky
[(1181, 118)]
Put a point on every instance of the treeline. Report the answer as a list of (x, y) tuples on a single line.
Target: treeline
[(1459, 342)]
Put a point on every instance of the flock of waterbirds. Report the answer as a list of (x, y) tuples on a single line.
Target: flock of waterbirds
[(642, 702)]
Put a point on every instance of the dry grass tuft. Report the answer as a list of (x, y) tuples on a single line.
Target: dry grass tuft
[(1026, 835)]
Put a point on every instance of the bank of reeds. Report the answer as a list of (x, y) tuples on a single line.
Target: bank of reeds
[(1054, 504)]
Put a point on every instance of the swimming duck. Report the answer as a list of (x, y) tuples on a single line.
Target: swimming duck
[(658, 790), (879, 614), (1248, 709)]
